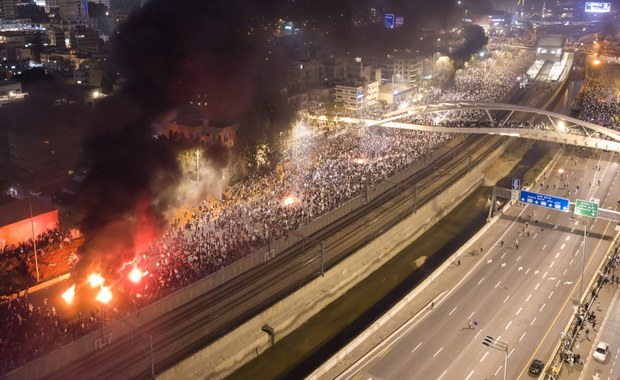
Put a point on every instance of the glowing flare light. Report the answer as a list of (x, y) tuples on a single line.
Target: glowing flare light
[(104, 295), (95, 280), (69, 294), (135, 275)]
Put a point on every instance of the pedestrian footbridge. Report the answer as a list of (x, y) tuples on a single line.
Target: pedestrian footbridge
[(548, 126)]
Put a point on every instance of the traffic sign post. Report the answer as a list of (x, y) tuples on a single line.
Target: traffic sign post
[(516, 186), (544, 200), (585, 208)]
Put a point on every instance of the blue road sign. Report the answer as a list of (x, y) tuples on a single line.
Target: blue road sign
[(516, 184), (544, 200)]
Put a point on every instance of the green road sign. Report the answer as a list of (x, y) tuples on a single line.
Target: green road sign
[(585, 208)]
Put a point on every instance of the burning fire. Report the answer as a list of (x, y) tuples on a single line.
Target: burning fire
[(104, 295), (95, 280), (290, 200), (69, 294), (135, 275)]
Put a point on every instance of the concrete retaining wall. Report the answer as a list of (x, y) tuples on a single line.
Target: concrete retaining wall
[(247, 341)]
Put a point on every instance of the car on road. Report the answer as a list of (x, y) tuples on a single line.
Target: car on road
[(601, 351), (536, 367)]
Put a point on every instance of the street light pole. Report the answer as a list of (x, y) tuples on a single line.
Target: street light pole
[(197, 165), (489, 341), (583, 259)]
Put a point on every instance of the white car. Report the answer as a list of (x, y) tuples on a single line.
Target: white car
[(601, 351)]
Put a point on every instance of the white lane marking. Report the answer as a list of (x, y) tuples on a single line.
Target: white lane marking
[(497, 285), (567, 237), (542, 307), (545, 275), (565, 270), (506, 299), (475, 336), (484, 356), (508, 325), (438, 351), (470, 375), (550, 294), (511, 351), (522, 335), (533, 320), (503, 255), (570, 262), (551, 265), (534, 236), (536, 287), (453, 310), (527, 271), (544, 246), (471, 315), (442, 375), (563, 245), (528, 298), (519, 311), (558, 283), (518, 258), (416, 347), (499, 369), (547, 216), (480, 282), (557, 255)]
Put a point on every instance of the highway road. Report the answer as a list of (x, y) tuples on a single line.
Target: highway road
[(522, 294)]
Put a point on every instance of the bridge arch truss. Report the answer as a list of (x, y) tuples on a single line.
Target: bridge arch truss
[(561, 128)]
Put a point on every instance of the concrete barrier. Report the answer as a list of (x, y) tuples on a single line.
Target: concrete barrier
[(247, 341)]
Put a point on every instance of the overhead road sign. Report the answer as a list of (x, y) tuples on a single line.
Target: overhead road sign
[(544, 200), (585, 208)]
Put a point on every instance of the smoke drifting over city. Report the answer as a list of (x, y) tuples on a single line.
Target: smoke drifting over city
[(203, 49)]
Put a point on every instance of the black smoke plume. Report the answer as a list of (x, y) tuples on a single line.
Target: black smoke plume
[(168, 52), (475, 39)]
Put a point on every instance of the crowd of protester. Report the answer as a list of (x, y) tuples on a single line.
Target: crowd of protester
[(599, 102), (322, 169), (22, 253)]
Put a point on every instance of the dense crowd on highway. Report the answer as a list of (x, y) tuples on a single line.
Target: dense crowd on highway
[(600, 102), (322, 170)]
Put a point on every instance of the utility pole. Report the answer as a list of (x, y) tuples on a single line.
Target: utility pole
[(152, 360), (34, 240), (322, 258)]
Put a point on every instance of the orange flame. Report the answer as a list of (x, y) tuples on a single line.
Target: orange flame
[(104, 295), (69, 294), (95, 280)]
